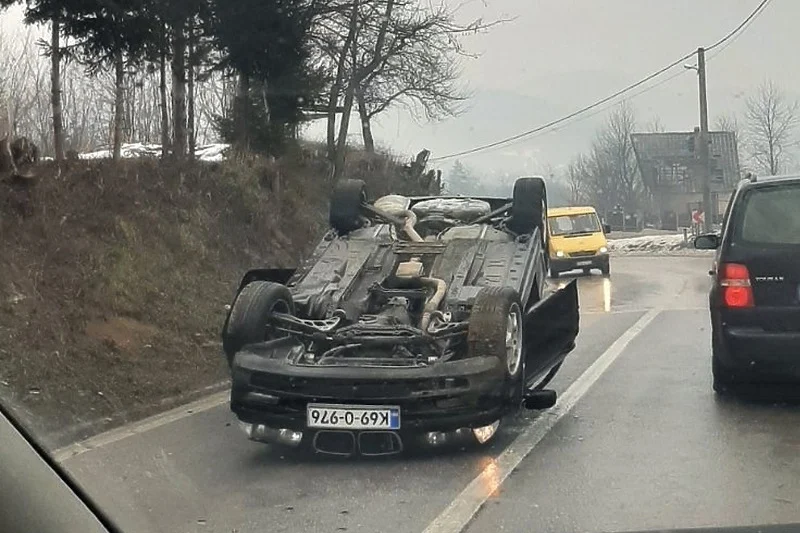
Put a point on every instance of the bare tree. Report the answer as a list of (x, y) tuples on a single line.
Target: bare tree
[(55, 87), (771, 120), (614, 151), (420, 68), (727, 122), (655, 125), (89, 100), (162, 96), (179, 82), (370, 59), (328, 41), (119, 100), (608, 176), (579, 180), (385, 53)]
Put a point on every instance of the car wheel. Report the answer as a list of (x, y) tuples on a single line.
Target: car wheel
[(345, 211), (248, 322), (605, 269), (529, 207), (495, 327)]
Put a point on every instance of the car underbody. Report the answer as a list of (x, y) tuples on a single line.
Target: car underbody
[(413, 316)]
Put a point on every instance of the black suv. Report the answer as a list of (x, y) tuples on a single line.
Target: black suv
[(755, 299)]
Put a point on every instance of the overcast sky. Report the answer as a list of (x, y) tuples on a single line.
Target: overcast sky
[(556, 56), (559, 55)]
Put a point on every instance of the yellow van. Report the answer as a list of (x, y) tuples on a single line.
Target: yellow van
[(577, 240)]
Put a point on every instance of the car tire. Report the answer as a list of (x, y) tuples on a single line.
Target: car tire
[(605, 268), (345, 213), (490, 324), (250, 314), (529, 207)]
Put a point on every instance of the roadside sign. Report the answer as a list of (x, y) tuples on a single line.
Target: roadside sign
[(698, 217)]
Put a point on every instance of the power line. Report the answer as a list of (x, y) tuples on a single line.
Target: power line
[(613, 96), (756, 12), (742, 27)]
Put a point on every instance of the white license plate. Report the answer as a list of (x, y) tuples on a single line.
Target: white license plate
[(333, 416), (583, 263)]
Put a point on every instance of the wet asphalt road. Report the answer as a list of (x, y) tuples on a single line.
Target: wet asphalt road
[(647, 446)]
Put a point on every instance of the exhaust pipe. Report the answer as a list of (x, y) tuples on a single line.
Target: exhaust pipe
[(377, 443), (341, 443), (540, 399)]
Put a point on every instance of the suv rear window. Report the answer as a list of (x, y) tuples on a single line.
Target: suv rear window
[(770, 216)]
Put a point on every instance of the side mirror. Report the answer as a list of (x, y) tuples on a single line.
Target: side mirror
[(707, 242), (606, 228)]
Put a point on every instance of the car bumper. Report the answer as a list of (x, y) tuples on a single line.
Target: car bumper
[(756, 355), (444, 397), (563, 264)]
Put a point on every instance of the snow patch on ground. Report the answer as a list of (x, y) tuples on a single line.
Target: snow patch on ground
[(207, 152), (655, 245)]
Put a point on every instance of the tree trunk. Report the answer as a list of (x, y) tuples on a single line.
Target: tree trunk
[(55, 85), (191, 79), (241, 105), (344, 126), (366, 128), (162, 90), (336, 88), (179, 137), (119, 94)]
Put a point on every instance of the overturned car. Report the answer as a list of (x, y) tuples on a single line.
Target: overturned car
[(414, 318)]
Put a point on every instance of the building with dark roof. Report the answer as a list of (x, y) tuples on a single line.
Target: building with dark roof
[(670, 168)]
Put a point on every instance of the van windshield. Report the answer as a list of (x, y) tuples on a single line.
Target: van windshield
[(770, 216), (574, 224)]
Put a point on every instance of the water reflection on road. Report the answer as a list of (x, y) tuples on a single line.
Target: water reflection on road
[(594, 292)]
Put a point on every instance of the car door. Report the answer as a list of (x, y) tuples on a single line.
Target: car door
[(551, 326)]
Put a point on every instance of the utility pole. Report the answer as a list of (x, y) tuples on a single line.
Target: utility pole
[(705, 164)]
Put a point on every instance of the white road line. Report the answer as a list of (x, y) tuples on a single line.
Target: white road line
[(623, 311), (116, 435), (461, 510)]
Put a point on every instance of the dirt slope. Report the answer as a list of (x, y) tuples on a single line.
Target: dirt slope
[(114, 278)]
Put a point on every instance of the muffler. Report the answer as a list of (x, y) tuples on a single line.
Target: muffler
[(375, 443), (540, 399), (342, 443)]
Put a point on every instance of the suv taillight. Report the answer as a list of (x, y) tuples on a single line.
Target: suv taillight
[(734, 281)]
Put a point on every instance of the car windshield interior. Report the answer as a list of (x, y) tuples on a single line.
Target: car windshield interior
[(574, 224), (770, 215)]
